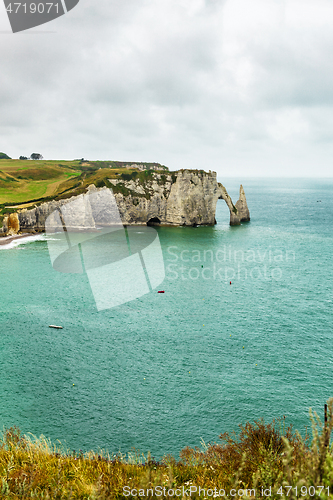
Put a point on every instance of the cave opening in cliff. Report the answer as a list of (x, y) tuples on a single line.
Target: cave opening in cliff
[(154, 221)]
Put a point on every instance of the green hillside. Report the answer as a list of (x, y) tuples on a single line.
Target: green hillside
[(24, 183), (3, 156)]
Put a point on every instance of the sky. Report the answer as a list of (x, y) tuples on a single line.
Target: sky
[(243, 88)]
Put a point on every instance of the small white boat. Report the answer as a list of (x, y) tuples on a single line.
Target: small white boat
[(57, 327)]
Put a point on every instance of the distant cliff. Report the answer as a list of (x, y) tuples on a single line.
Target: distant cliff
[(183, 198)]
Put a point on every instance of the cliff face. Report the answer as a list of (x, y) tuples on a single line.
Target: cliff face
[(185, 198), (241, 206)]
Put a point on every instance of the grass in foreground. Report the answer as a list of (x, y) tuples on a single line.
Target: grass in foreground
[(263, 461)]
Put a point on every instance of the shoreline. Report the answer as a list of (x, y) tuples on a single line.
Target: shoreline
[(5, 240)]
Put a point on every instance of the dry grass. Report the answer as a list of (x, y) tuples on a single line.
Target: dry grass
[(260, 457)]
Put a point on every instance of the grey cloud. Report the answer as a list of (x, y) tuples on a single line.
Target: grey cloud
[(128, 80)]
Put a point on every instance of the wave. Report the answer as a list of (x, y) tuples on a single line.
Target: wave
[(15, 241)]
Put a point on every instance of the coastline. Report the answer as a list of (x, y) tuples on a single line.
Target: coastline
[(6, 240)]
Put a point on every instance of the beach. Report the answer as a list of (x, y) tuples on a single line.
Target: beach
[(6, 240)]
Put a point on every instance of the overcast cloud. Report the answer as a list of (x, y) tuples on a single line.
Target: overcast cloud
[(243, 88)]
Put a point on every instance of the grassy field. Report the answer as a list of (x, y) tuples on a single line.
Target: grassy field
[(261, 461), (24, 183), (25, 180)]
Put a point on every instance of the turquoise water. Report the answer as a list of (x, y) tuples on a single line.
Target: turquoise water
[(163, 371)]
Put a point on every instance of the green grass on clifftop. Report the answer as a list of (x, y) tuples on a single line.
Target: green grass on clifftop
[(24, 180), (24, 183)]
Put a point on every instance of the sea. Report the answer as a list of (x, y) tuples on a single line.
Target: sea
[(243, 331)]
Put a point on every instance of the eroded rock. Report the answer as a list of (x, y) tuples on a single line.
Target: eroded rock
[(186, 197)]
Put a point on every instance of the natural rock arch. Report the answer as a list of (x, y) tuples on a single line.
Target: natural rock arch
[(239, 212), (185, 198)]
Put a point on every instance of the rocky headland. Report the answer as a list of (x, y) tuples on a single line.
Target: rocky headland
[(182, 198)]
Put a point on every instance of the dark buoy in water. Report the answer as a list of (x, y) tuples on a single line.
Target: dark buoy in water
[(230, 282), (160, 291)]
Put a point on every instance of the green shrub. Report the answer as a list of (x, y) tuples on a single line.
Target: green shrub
[(129, 176)]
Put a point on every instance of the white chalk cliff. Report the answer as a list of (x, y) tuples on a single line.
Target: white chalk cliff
[(183, 198)]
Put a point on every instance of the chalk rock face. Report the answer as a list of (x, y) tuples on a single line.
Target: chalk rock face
[(34, 220), (192, 199), (189, 198), (241, 206), (186, 197), (234, 218)]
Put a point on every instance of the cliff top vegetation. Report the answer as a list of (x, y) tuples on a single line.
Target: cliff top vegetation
[(3, 156), (261, 461), (24, 183)]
